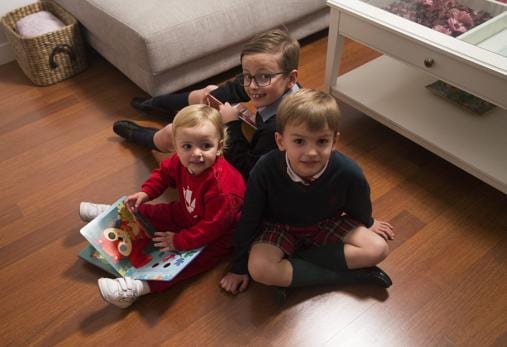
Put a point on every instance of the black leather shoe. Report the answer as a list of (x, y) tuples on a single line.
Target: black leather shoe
[(376, 276), (144, 105)]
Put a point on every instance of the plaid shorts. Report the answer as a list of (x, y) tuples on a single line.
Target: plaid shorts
[(289, 238)]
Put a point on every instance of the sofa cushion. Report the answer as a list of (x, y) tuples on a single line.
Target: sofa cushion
[(155, 36)]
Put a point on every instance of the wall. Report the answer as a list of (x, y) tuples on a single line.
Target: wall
[(6, 53)]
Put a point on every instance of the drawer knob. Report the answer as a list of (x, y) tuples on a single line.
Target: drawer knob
[(428, 62)]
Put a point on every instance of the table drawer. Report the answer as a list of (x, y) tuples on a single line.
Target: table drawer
[(467, 75)]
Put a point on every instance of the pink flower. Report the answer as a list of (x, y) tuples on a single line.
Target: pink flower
[(449, 3), (447, 16), (442, 29), (465, 18), (427, 3), (456, 25), (453, 13)]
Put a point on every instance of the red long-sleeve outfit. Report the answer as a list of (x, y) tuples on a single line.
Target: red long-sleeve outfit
[(205, 213)]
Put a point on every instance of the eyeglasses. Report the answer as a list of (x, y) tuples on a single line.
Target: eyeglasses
[(261, 79)]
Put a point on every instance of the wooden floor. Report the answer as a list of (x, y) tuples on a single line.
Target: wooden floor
[(448, 262)]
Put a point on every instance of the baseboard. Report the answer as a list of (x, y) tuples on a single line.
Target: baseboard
[(6, 53)]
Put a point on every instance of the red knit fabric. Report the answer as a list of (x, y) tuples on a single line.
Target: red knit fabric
[(205, 213)]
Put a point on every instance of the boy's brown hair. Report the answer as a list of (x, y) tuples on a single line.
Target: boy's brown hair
[(195, 115), (274, 42), (315, 108)]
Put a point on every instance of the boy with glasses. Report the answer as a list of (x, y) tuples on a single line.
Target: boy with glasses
[(269, 62)]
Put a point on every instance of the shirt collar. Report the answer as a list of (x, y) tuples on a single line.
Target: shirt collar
[(269, 111), (296, 178)]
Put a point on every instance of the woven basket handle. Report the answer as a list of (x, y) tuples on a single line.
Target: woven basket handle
[(63, 48)]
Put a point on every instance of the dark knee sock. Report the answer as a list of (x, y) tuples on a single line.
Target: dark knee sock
[(330, 256), (305, 274), (132, 132), (145, 138), (171, 103)]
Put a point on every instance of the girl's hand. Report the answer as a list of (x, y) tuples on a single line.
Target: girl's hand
[(234, 283), (229, 113), (164, 240), (135, 200), (383, 229)]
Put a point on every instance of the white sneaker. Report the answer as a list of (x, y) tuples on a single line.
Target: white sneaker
[(88, 210), (120, 291)]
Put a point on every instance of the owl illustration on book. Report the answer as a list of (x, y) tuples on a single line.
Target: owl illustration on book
[(127, 239)]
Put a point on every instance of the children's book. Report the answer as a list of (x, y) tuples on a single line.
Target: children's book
[(120, 243), (244, 114)]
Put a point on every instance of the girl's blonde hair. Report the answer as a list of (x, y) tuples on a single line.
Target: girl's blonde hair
[(195, 115), (315, 108)]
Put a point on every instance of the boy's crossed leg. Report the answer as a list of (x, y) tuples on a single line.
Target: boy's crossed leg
[(267, 265), (337, 263), (363, 248)]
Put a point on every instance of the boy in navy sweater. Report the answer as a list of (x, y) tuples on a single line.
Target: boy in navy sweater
[(307, 217)]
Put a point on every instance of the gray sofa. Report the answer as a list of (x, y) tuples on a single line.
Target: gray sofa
[(164, 46)]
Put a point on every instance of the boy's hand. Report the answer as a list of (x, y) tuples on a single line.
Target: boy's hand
[(135, 200), (201, 94), (383, 229), (234, 283), (164, 240), (229, 113), (206, 90), (198, 96)]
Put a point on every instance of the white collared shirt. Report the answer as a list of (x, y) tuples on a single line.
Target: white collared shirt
[(296, 178), (269, 111)]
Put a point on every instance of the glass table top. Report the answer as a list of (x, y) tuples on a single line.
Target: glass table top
[(482, 23)]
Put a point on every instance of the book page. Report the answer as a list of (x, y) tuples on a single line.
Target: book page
[(124, 241)]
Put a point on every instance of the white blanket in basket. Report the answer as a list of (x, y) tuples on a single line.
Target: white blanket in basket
[(38, 23)]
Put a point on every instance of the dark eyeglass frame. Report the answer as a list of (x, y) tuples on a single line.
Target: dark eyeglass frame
[(244, 77)]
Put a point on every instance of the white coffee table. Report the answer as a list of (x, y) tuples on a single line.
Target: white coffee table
[(391, 88)]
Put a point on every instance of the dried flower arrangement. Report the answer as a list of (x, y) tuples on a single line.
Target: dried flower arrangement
[(446, 16), (459, 97)]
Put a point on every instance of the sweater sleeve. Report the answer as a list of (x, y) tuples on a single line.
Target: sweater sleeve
[(219, 218), (161, 178), (243, 154), (249, 226), (358, 204)]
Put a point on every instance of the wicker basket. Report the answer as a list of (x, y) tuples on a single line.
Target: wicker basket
[(48, 58)]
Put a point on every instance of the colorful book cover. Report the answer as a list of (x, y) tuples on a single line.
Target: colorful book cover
[(120, 243), (92, 256)]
